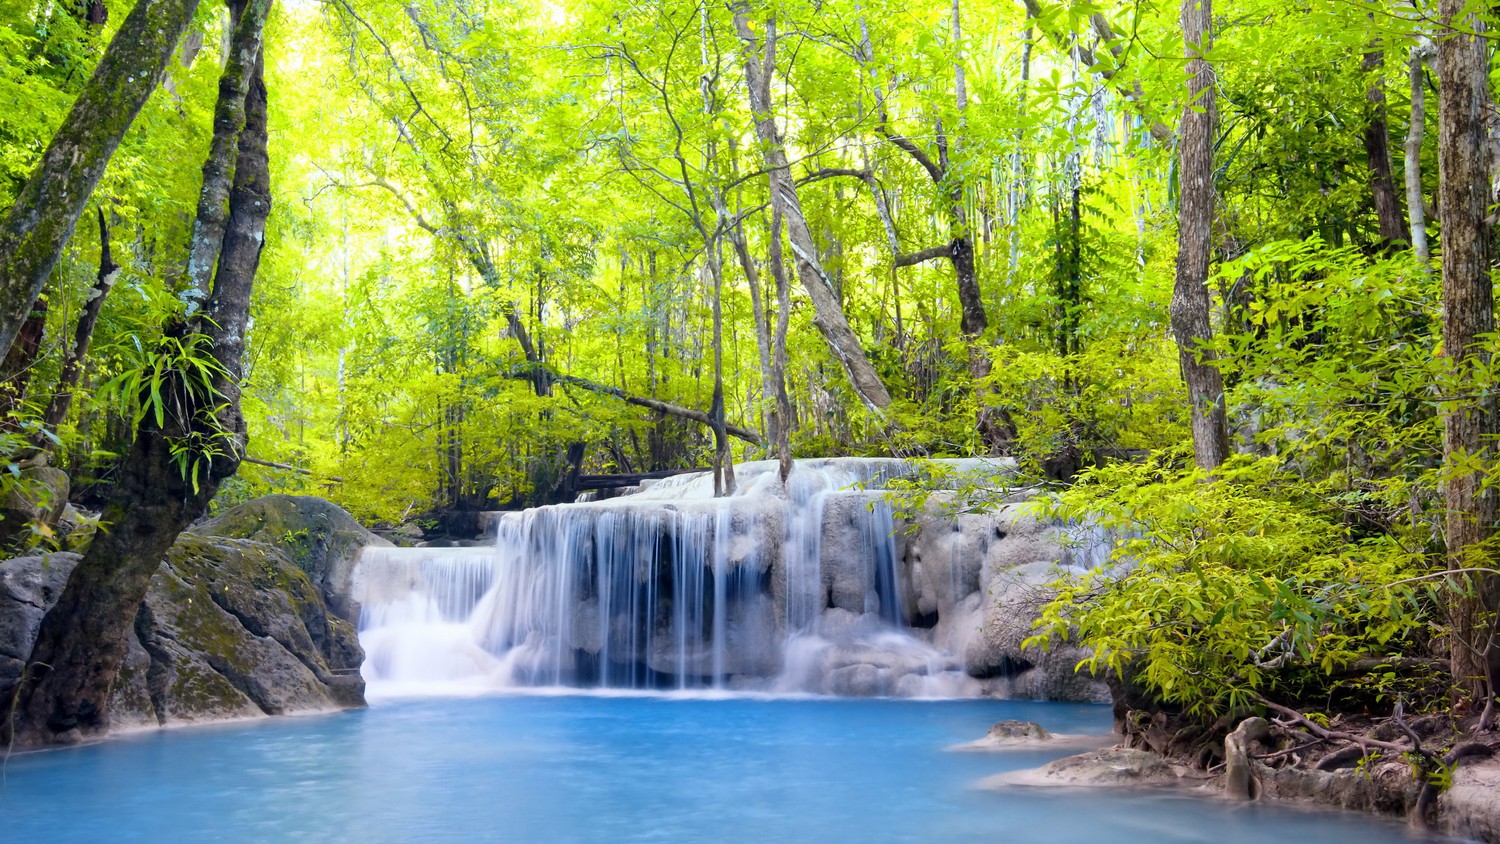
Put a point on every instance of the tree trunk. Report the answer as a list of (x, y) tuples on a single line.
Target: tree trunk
[(83, 334), (1415, 207), (762, 328), (829, 317), (778, 351), (1378, 151), (996, 429), (723, 459), (1469, 426), (15, 370), (1190, 300), (40, 223), (82, 642), (248, 17)]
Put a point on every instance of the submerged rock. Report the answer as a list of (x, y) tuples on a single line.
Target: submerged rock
[(1109, 767), (230, 628)]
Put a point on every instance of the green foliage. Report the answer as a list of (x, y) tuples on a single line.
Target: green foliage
[(1227, 587), (175, 385)]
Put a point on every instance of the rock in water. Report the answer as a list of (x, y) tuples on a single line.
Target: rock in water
[(1113, 767), (230, 628), (1019, 731)]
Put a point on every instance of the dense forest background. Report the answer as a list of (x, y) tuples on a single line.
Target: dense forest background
[(1231, 265)]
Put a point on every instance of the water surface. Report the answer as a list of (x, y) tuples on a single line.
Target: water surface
[(579, 768)]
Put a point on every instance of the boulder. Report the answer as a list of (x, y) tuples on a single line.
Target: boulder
[(29, 586), (1470, 807), (1110, 767), (230, 628), (1013, 730), (319, 537), (37, 496)]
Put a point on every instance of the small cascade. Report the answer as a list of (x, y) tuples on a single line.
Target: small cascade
[(802, 588)]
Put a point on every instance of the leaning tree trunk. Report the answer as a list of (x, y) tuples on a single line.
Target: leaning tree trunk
[(1190, 301), (829, 315), (1469, 426), (83, 335), (66, 686), (40, 223)]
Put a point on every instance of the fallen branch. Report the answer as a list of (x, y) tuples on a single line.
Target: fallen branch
[(668, 408), (298, 469)]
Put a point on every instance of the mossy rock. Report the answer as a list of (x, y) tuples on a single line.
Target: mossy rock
[(318, 536), (230, 628), (38, 496)]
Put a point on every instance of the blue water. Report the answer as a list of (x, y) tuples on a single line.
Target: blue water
[(611, 769)]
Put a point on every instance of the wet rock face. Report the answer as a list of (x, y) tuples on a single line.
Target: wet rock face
[(28, 587), (231, 627), (984, 578)]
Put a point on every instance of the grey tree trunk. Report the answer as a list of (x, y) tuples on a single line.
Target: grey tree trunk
[(1469, 426), (249, 18), (47, 209), (784, 420), (1190, 299), (65, 690), (829, 316), (1415, 205), (762, 327)]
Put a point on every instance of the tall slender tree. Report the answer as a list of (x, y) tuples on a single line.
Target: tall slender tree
[(1195, 218), (1469, 425)]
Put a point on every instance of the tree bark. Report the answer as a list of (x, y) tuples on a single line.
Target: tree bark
[(248, 17), (1378, 151), (1190, 299), (1469, 427), (667, 408), (829, 316), (15, 370), (83, 334), (1415, 206), (65, 690), (995, 428), (46, 211), (762, 329), (784, 420)]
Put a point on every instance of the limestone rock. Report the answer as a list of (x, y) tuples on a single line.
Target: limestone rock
[(39, 495), (319, 536), (230, 628), (1385, 787), (1471, 806), (1109, 767), (1012, 730), (29, 586)]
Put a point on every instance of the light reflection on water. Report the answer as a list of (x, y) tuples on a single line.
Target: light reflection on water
[(581, 768)]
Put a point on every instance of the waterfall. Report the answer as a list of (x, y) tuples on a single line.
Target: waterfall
[(805, 588)]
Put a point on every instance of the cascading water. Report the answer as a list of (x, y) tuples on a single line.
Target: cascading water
[(787, 590)]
